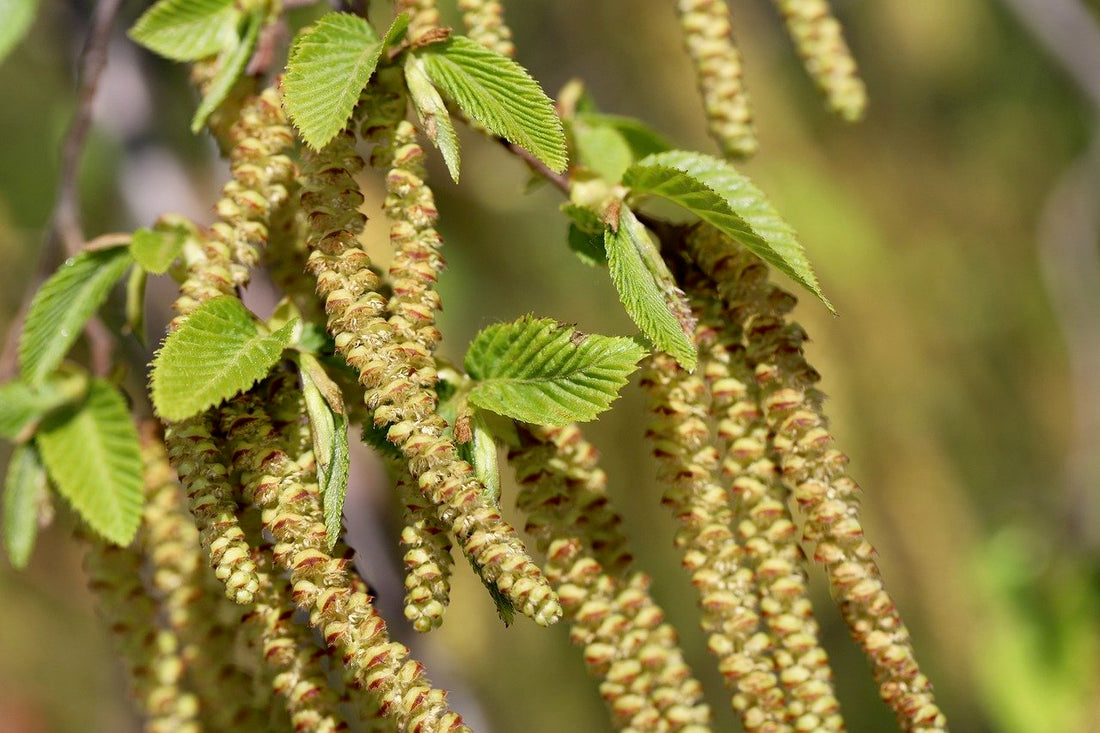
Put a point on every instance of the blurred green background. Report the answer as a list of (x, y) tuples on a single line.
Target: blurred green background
[(963, 369)]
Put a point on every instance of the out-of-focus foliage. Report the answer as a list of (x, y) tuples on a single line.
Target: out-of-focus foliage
[(947, 371)]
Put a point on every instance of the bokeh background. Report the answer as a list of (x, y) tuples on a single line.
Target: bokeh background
[(955, 229)]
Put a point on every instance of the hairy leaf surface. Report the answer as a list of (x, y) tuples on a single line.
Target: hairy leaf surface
[(24, 488), (499, 93), (17, 17), (94, 459), (647, 290), (63, 305), (216, 353), (543, 372), (329, 65), (188, 30), (718, 194), (433, 114), (329, 429), (231, 65)]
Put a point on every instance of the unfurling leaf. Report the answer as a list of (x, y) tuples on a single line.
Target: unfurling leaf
[(329, 65), (499, 93), (647, 290), (63, 305), (609, 144), (542, 372), (156, 249), (329, 427), (17, 17), (717, 193), (23, 406), (188, 30), (231, 65), (94, 459), (216, 353), (480, 451), (433, 114), (24, 490)]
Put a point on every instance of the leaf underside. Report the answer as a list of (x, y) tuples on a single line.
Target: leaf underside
[(230, 67), (94, 459), (329, 430), (216, 353), (187, 30), (433, 114), (63, 305), (539, 371), (718, 194), (500, 94)]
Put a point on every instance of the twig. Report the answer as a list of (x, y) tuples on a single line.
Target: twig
[(560, 180)]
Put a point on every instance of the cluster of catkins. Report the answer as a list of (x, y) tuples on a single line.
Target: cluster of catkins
[(208, 603)]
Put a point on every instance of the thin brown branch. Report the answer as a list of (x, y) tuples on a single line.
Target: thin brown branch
[(560, 180)]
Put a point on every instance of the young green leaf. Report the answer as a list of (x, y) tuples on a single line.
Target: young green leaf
[(717, 193), (135, 303), (480, 451), (24, 489), (216, 353), (540, 371), (94, 459), (18, 15), (63, 305), (156, 249), (433, 114), (231, 64), (588, 247), (188, 30), (642, 139), (499, 93), (329, 427), (23, 406), (329, 65), (647, 290)]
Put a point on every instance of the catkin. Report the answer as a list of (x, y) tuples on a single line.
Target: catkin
[(484, 22), (815, 472), (644, 679), (427, 556), (399, 393), (765, 526), (819, 39), (321, 583), (687, 465), (708, 37), (423, 16)]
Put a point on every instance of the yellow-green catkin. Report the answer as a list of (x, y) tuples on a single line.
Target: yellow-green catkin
[(627, 644), (423, 16), (708, 37), (427, 555), (484, 22), (687, 466), (819, 39), (814, 469), (765, 525), (321, 583), (399, 393)]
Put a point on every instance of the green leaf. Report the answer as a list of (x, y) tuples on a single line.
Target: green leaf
[(642, 139), (24, 490), (188, 30), (717, 193), (540, 371), (216, 353), (63, 305), (135, 303), (94, 459), (156, 249), (647, 290), (17, 15), (500, 94), (602, 150), (23, 406), (587, 246), (329, 65), (480, 451), (433, 114), (324, 405), (231, 64)]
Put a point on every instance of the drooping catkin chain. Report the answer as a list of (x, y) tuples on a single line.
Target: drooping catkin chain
[(644, 679), (423, 16), (815, 472), (396, 390), (427, 555), (708, 37), (322, 585), (484, 22), (819, 39), (687, 466), (764, 524)]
